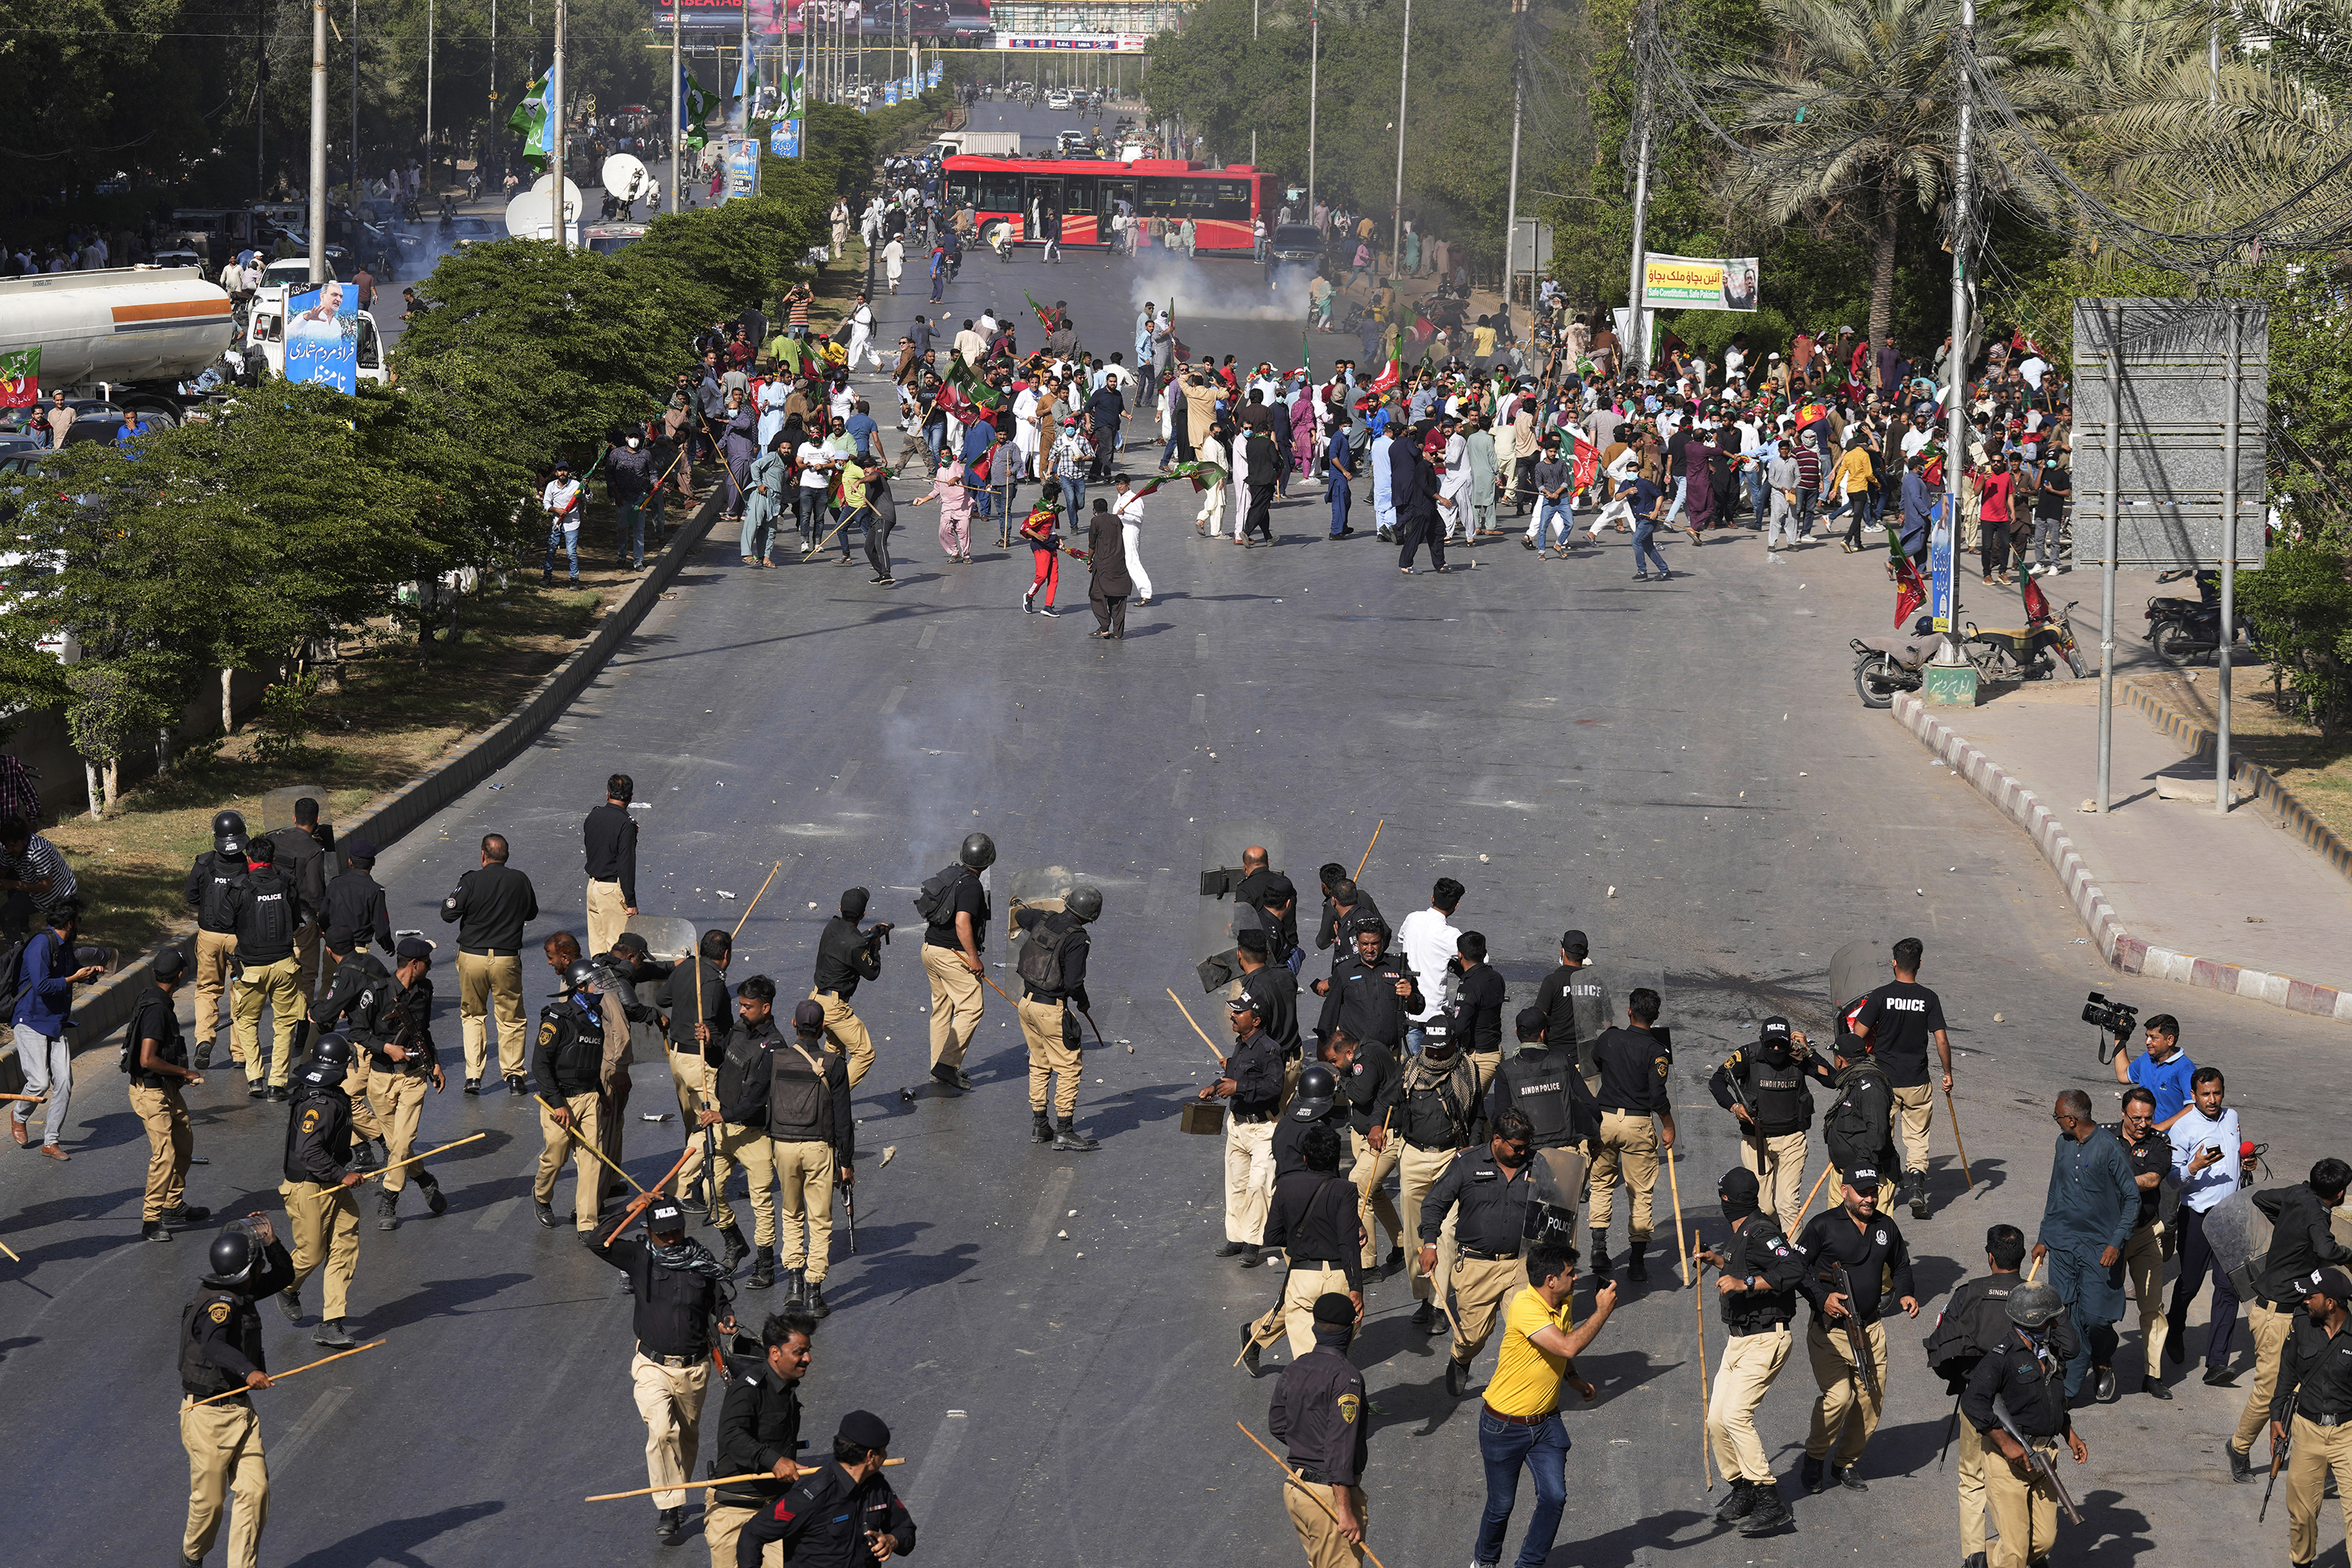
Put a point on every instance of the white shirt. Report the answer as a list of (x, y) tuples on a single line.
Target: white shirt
[(2031, 371), (562, 498), (2192, 1132), (1913, 439), (1426, 940), (812, 458)]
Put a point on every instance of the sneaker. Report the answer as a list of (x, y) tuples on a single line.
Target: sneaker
[(1049, 610), (1027, 607)]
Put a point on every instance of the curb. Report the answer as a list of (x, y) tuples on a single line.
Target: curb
[(107, 1007), (2199, 740), (2127, 952)]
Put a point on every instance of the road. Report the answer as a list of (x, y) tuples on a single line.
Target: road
[(1048, 1334)]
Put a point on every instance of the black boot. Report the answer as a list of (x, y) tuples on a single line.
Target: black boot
[(332, 1334), (387, 1210), (1041, 1131), (1918, 1195), (2240, 1468), (795, 1291), (669, 1526), (435, 1199), (1600, 1265), (364, 1158), (814, 1301), (737, 1247), (1770, 1511), (1738, 1505), (763, 1269), (1067, 1138), (1637, 1267), (155, 1230)]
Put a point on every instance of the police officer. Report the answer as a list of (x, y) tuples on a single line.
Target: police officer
[(737, 1128), (1369, 1081), (221, 1352), (1320, 1411), (1764, 1089), (491, 905), (1053, 966), (1756, 1282), (1477, 1006), (1858, 1129), (569, 1062), (1543, 1086), (2029, 1380), (2312, 1407), (1313, 1217), (1868, 1247), (1273, 987), (159, 1071), (953, 936), (302, 857), (2302, 1241), (845, 955), (1439, 1115), (1973, 1324), (760, 1429), (1317, 1103), (840, 1511), (1252, 1080), (695, 1002), (1634, 1063), (1372, 993), (268, 910), (1344, 903), (353, 912), (388, 1015), (322, 1210), (1556, 999), (816, 1147), (1482, 1199), (679, 1290), (213, 877)]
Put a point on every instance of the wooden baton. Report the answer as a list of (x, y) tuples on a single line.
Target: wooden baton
[(717, 1481), (1198, 1030), (282, 1376), (1310, 1497), (1967, 1174), (1383, 822), (749, 907), (396, 1164)]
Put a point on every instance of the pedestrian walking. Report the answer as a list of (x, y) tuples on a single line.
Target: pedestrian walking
[(1520, 1424), (46, 974)]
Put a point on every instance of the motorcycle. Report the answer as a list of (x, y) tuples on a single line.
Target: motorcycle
[(1885, 666), (2181, 630)]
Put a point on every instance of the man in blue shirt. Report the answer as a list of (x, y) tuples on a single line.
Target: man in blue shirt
[(2087, 1216), (860, 427), (2164, 1070), (43, 1009), (131, 429)]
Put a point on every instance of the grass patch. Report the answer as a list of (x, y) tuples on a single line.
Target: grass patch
[(2267, 728)]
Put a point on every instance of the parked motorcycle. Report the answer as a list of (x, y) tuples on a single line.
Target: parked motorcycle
[(1885, 666), (2179, 629)]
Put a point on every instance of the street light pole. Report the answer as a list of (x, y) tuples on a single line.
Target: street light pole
[(318, 140), (1314, 67), (1396, 209), (555, 126), (1518, 107), (429, 20)]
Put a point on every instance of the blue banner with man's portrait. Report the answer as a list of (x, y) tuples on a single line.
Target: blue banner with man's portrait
[(323, 336)]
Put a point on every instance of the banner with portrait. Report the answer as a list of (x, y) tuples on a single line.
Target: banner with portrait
[(323, 336), (1698, 282)]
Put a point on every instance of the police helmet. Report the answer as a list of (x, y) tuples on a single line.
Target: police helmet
[(1085, 902), (2033, 1304), (979, 852), (233, 1256), (332, 1048), (1318, 1084), (228, 832), (581, 975)]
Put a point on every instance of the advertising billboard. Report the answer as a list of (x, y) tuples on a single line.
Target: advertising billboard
[(323, 336), (1698, 282)]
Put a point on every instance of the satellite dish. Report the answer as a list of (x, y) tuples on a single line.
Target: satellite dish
[(624, 177), (527, 217), (544, 186)]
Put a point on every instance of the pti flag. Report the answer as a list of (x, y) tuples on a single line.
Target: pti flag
[(530, 122), (1204, 476), (694, 107), (20, 378)]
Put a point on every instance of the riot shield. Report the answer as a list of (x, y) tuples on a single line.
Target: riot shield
[(1855, 970), (2239, 1235), (668, 938), (1558, 1182), (1599, 992), (1035, 888), (1222, 844)]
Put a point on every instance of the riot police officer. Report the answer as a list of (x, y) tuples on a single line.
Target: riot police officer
[(269, 914), (569, 1062), (1053, 967), (1317, 1104), (1543, 1086), (221, 1352), (157, 1060), (2024, 1378), (213, 877), (1763, 1087), (1757, 1276), (321, 1208), (387, 1013), (845, 955), (1974, 1325)]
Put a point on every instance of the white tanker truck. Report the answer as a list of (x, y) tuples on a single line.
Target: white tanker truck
[(130, 334)]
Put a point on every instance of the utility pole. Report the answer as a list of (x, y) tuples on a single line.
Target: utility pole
[(1314, 67), (677, 92), (555, 125), (352, 193), (1955, 370), (1639, 352), (1519, 108), (261, 102), (482, 148), (318, 140), (429, 19), (1396, 208)]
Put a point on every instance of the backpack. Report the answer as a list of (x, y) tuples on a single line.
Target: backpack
[(1850, 1134), (795, 1101), (1040, 964), (934, 900)]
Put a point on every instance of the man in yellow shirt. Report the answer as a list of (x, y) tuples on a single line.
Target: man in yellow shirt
[(1520, 1424)]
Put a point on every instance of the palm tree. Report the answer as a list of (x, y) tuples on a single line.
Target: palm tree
[(1852, 114)]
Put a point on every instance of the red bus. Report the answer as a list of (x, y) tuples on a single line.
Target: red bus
[(1223, 203)]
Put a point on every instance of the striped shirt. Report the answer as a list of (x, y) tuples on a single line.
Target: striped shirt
[(39, 861)]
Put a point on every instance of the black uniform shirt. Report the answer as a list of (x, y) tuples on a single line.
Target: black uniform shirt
[(676, 1000), (1555, 999), (966, 898), (224, 1329), (156, 1020), (1633, 1068), (319, 1135), (1901, 1019), (674, 1306), (1443, 1111), (354, 911), (1326, 930), (2301, 1239), (1256, 1067), (1493, 1200), (304, 860), (1363, 1001), (823, 1521), (609, 836), (1037, 922), (210, 880), (758, 1423), (1759, 1250), (1479, 1008), (2152, 1155), (845, 955), (1290, 1132), (1276, 991), (1832, 1237), (1312, 1216), (570, 1055), (1260, 886), (1370, 1085), (1544, 1086), (1975, 1322), (1320, 1410), (490, 907), (2030, 1387), (2314, 1374), (1777, 1096)]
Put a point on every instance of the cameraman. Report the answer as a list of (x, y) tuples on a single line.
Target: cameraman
[(845, 955), (2163, 1068)]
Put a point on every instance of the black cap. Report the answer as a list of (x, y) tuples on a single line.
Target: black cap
[(1574, 945), (1531, 1022), (1334, 1309), (808, 1018), (169, 964), (664, 1217), (866, 1429), (1739, 1187), (1774, 1029), (1244, 1003), (359, 848), (1862, 1178), (2331, 1282), (854, 902), (413, 947), (1279, 889)]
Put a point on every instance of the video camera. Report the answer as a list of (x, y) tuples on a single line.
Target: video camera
[(2116, 1019)]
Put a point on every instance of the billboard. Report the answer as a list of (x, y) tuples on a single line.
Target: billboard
[(1114, 43), (774, 19), (1698, 282), (323, 336), (743, 166)]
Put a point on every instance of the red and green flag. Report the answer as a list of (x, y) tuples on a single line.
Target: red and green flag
[(1044, 317), (1204, 476), (20, 378), (1910, 587)]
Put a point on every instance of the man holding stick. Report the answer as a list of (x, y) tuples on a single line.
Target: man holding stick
[(1847, 1252), (1251, 1081), (760, 1429), (221, 1353), (320, 1207), (1756, 1278), (840, 1511), (845, 955), (1320, 1411), (159, 1072), (388, 1017), (694, 1000), (569, 1062)]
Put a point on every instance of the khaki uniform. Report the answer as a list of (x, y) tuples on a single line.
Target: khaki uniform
[(225, 1459), (275, 986), (955, 1005), (722, 1522), (1293, 1317), (1372, 1202), (1418, 1170), (1750, 1362), (1629, 1147), (170, 1142), (306, 959), (2025, 1512), (607, 914), (1488, 1064), (1972, 1467), (2270, 1326), (1326, 1547), (1053, 1048), (586, 1114), (844, 1032), (1481, 1286), (2318, 1451), (804, 1186), (395, 1096), (2143, 1259), (1779, 1166), (1845, 1415), (669, 1398), (750, 1150), (1249, 1180), (326, 1226), (485, 983), (688, 1075), (1915, 1109), (215, 949)]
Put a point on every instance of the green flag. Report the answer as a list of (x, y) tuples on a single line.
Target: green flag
[(793, 106), (699, 107), (530, 122), (1204, 476), (20, 378)]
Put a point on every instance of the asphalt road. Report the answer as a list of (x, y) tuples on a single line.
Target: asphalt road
[(1047, 1334)]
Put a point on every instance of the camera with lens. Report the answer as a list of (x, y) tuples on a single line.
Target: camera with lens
[(2116, 1019)]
